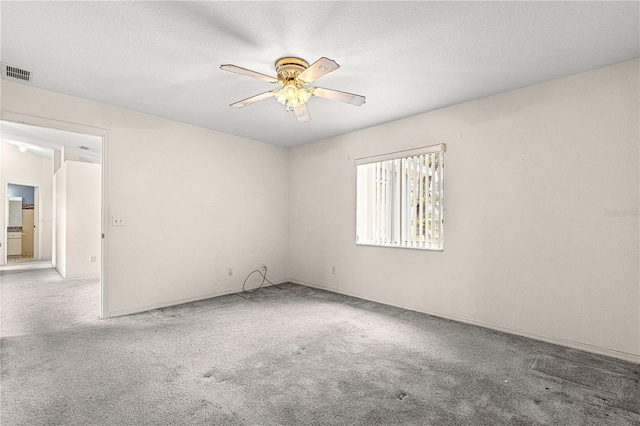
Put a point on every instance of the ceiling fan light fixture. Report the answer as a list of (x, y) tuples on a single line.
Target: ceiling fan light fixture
[(304, 95), (293, 95), (280, 97), (291, 91)]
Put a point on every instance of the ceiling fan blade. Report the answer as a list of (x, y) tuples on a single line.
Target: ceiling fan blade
[(336, 95), (319, 68), (248, 73), (302, 113), (253, 99)]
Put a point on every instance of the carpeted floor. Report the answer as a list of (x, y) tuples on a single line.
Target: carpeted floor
[(296, 356)]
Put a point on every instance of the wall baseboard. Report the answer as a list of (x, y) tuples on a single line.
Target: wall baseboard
[(166, 304), (625, 356)]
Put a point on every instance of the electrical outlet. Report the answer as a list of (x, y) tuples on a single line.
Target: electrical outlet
[(93, 259), (333, 270), (230, 272), (263, 267)]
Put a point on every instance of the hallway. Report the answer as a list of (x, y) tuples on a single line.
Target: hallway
[(36, 299)]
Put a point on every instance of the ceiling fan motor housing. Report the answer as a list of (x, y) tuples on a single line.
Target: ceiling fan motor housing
[(288, 69)]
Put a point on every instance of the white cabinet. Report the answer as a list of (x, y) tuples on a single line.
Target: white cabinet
[(15, 211), (14, 243)]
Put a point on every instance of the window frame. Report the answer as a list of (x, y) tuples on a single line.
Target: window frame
[(393, 217)]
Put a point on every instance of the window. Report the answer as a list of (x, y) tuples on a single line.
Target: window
[(400, 199)]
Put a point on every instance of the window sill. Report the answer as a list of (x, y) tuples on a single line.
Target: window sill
[(400, 247)]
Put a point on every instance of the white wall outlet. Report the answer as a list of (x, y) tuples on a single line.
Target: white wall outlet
[(93, 259), (333, 270), (117, 221), (230, 271)]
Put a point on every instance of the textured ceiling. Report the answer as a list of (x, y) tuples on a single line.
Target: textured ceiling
[(407, 58), (43, 141)]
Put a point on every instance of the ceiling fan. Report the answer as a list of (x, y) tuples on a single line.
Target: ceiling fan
[(293, 74)]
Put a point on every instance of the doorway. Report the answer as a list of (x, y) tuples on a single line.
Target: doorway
[(23, 229), (61, 151)]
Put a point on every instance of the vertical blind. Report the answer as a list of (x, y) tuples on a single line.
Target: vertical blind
[(400, 201)]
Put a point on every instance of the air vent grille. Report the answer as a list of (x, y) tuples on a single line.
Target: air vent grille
[(16, 73), (86, 148)]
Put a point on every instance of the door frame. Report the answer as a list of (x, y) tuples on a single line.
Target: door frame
[(105, 134)]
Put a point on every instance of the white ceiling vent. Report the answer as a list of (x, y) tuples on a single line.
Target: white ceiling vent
[(15, 73)]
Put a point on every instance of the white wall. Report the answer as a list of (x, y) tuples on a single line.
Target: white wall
[(238, 190), (46, 218), (530, 247), (33, 170), (78, 212), (83, 218), (60, 229)]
